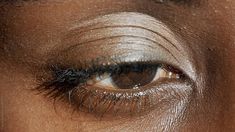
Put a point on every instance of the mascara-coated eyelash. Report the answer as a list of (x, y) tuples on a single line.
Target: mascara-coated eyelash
[(133, 86)]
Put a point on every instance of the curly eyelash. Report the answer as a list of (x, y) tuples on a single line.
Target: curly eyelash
[(70, 84), (66, 79)]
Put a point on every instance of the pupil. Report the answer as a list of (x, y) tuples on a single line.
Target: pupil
[(133, 76)]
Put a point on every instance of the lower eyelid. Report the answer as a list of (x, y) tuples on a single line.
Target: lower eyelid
[(100, 102)]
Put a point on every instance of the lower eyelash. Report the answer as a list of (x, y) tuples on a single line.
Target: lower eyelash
[(89, 99), (135, 103), (100, 102)]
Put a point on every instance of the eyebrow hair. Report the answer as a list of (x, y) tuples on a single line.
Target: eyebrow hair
[(166, 2), (179, 2)]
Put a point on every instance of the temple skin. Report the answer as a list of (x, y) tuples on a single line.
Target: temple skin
[(29, 30)]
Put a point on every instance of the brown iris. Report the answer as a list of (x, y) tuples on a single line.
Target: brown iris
[(134, 76)]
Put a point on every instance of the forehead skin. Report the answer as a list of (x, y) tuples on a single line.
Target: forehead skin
[(28, 30)]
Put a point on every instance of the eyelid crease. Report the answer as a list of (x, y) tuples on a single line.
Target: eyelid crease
[(80, 31), (127, 19), (145, 26), (149, 39), (85, 32), (129, 24), (81, 44)]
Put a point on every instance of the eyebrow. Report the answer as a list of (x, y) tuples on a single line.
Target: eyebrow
[(166, 2), (179, 2)]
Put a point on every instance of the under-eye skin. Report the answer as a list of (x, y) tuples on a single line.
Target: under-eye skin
[(139, 66)]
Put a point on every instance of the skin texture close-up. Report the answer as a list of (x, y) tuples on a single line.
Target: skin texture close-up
[(117, 65)]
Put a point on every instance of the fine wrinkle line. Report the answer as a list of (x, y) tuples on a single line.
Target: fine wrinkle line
[(131, 19), (129, 43), (120, 36), (80, 32)]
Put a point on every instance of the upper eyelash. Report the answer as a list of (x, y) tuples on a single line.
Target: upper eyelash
[(65, 79)]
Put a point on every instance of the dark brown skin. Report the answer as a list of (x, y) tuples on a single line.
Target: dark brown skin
[(29, 30)]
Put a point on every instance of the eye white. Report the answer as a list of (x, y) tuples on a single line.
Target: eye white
[(106, 81)]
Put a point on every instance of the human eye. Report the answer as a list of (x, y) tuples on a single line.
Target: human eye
[(133, 76), (146, 70)]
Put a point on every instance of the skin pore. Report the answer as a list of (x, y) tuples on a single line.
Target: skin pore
[(34, 35)]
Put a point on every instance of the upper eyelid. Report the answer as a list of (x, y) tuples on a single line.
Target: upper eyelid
[(75, 38), (87, 29), (125, 19), (83, 29)]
